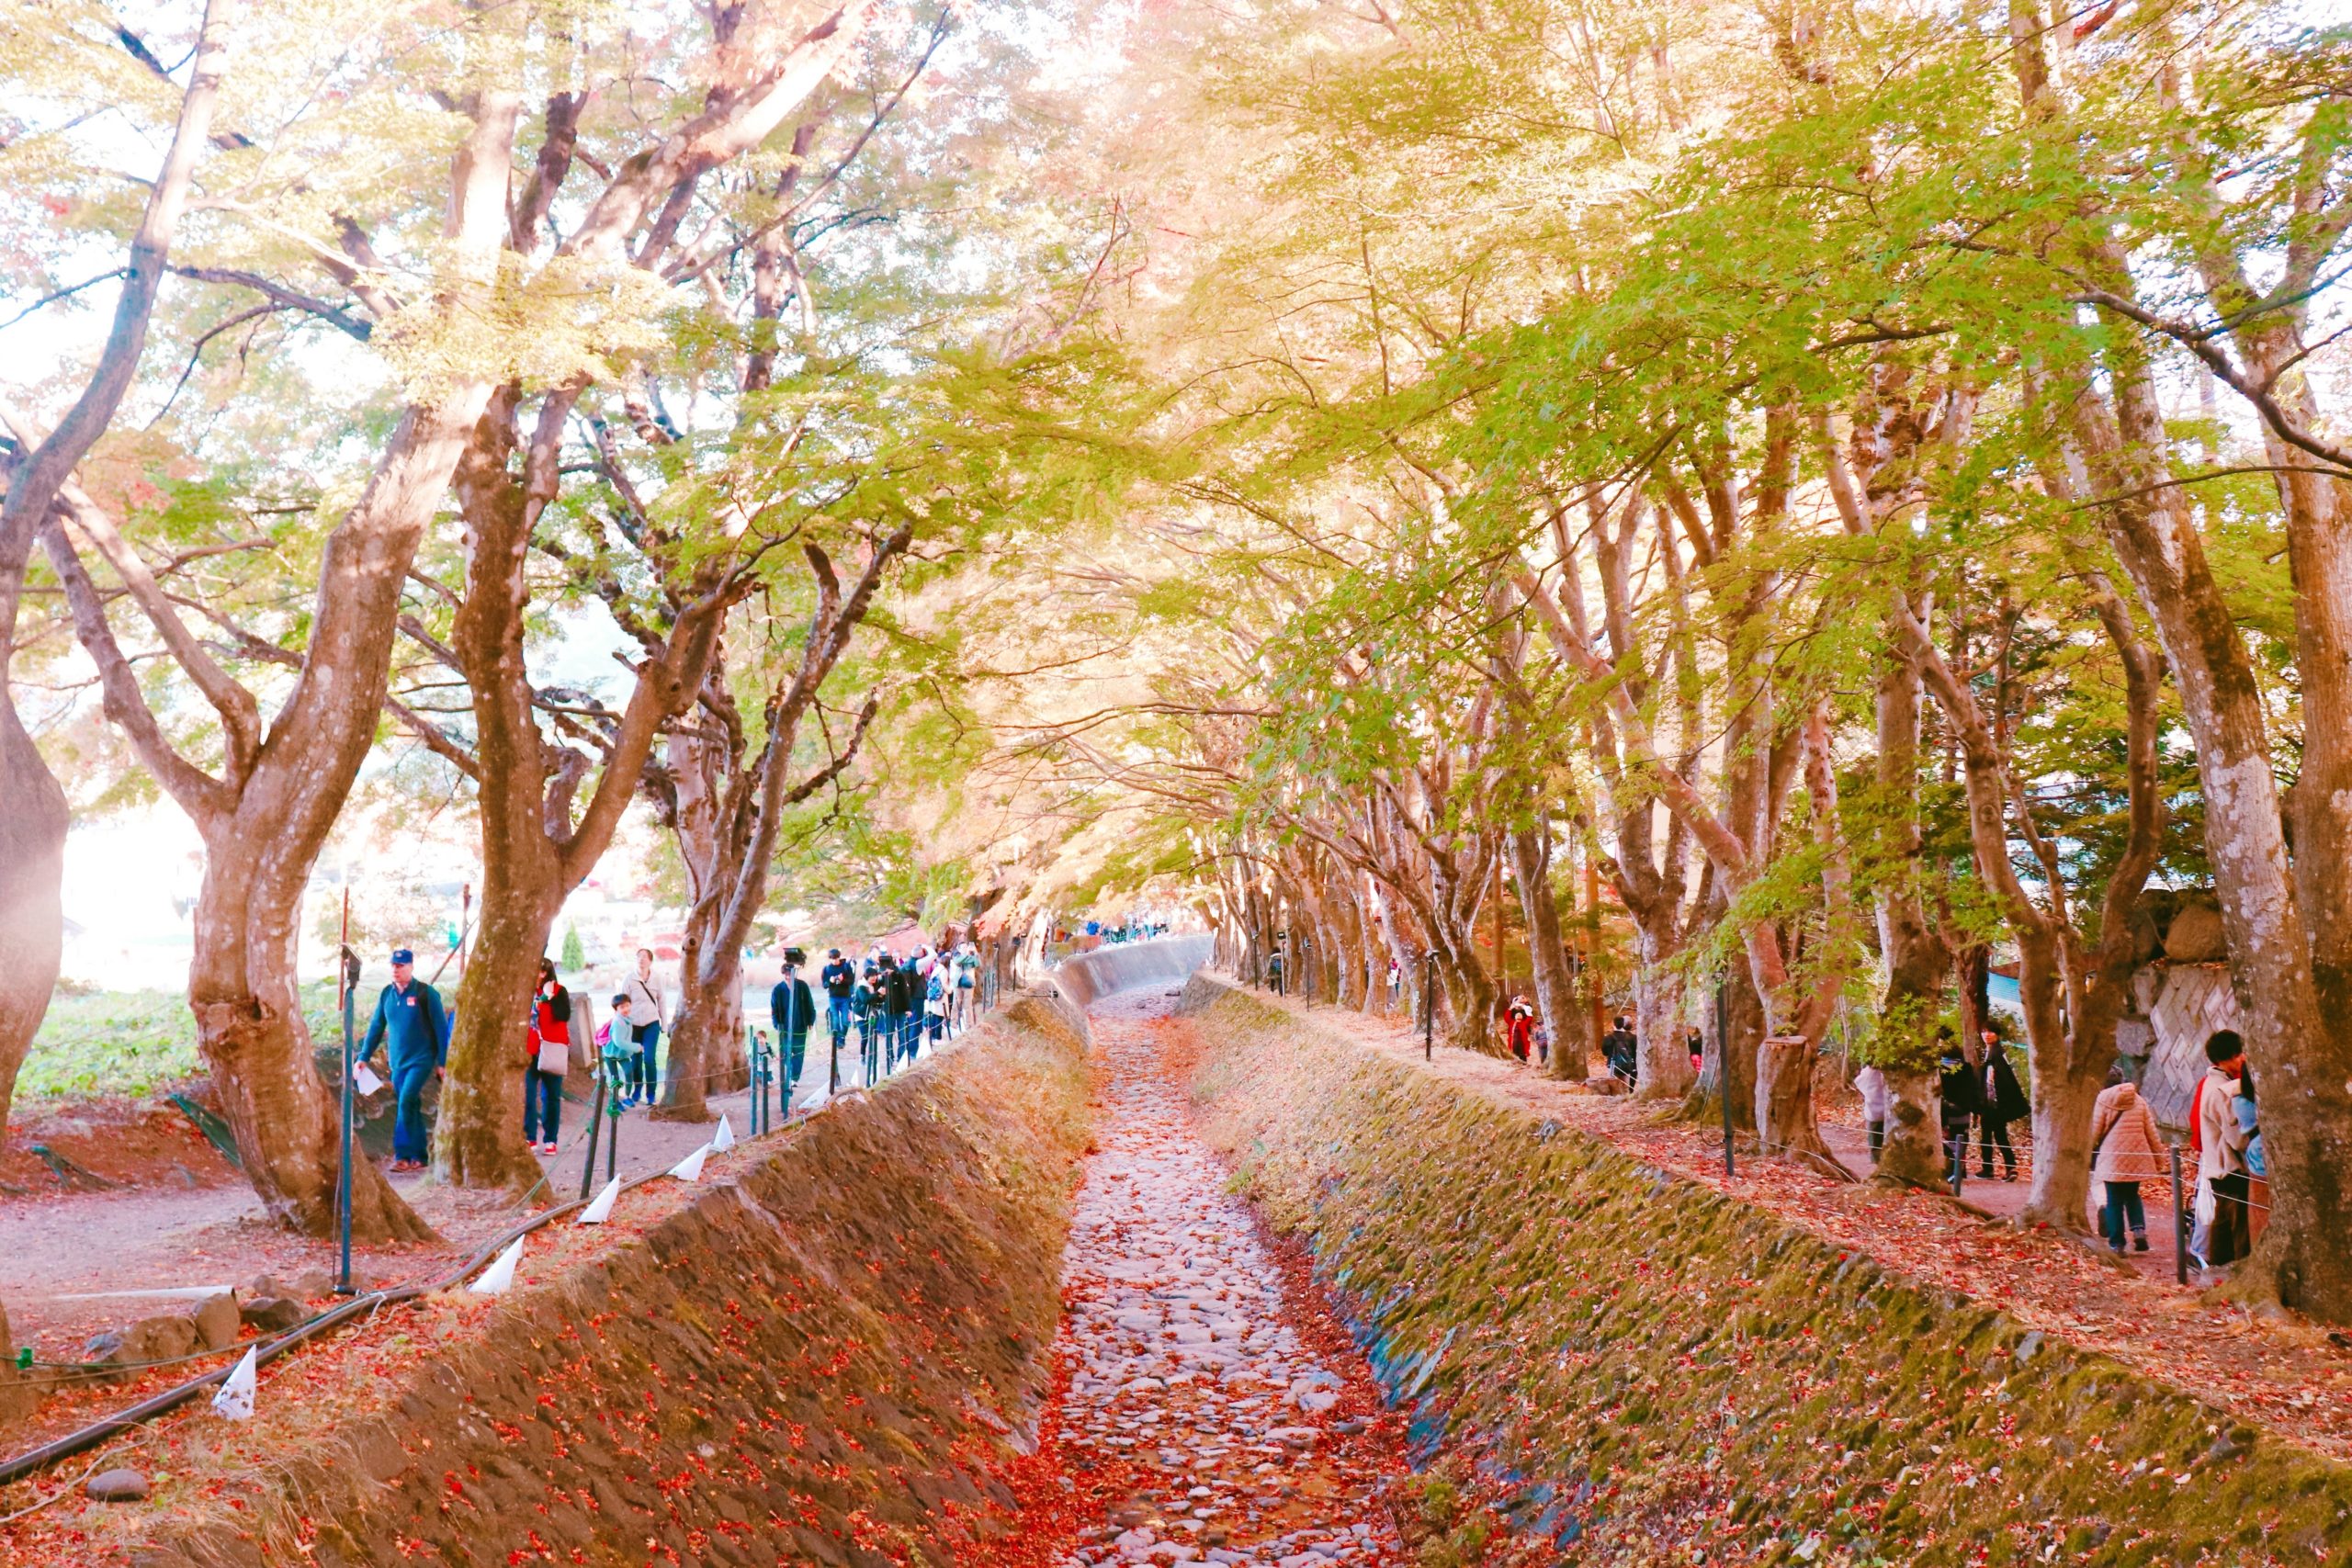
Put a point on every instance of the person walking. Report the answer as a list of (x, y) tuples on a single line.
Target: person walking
[(1871, 1084), (934, 1006), (1519, 1022), (865, 1008), (968, 985), (2002, 1101), (411, 1025), (1621, 1049), (905, 1010), (548, 1038), (2126, 1149), (839, 977), (1962, 1097), (2222, 1181), (890, 993), (793, 1011), (644, 993), (620, 1051)]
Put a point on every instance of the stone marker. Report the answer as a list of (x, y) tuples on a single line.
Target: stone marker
[(117, 1487), (217, 1319)]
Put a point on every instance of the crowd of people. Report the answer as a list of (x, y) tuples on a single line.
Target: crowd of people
[(884, 1009), (1982, 1098)]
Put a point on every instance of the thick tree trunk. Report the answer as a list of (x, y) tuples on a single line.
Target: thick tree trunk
[(1665, 1071), (1555, 993), (1745, 1012), (707, 1017), (709, 1029), (477, 1129), (249, 1027), (1785, 1118), (33, 871)]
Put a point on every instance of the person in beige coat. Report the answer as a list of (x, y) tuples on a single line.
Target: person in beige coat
[(2126, 1149)]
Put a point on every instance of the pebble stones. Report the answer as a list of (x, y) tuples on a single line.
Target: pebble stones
[(1184, 1366)]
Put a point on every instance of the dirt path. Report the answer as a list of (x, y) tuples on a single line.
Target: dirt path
[(77, 1262), (1211, 1410)]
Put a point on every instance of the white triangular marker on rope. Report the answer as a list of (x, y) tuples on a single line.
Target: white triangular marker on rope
[(724, 1139), (690, 1168), (600, 1209), (235, 1398), (500, 1274)]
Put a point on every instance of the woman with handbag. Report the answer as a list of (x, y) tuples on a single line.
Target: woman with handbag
[(549, 1041)]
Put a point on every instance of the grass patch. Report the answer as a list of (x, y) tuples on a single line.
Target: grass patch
[(104, 1044)]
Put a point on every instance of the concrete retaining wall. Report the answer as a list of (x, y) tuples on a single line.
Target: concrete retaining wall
[(828, 1358), (1129, 966), (1634, 1366)]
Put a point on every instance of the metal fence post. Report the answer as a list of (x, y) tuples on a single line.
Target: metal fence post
[(1428, 1007), (1723, 1067), (347, 983), (596, 1132), (2179, 1225)]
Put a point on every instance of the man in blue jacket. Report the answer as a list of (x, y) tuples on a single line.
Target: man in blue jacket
[(409, 1014), (795, 1012)]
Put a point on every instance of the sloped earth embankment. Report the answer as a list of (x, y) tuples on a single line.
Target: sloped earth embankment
[(726, 1385), (1603, 1362)]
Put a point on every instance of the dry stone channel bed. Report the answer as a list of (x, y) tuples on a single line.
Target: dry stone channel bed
[(1187, 1371)]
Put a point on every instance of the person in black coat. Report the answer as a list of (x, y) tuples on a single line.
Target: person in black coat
[(905, 1009), (2002, 1101), (794, 1013), (1621, 1048), (1962, 1097)]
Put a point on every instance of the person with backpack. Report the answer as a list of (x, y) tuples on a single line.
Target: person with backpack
[(1962, 1097), (839, 977), (411, 1025), (865, 1010), (968, 985), (547, 1057), (1621, 1049), (2126, 1149), (793, 1011), (934, 1006)]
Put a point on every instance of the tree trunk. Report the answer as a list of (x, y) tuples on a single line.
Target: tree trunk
[(1785, 1118), (1555, 992), (1746, 1014), (709, 1027), (249, 1026), (32, 871), (1663, 1070), (478, 1128), (707, 1017)]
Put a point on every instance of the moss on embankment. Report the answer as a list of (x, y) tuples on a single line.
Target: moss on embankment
[(825, 1360), (1635, 1366)]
